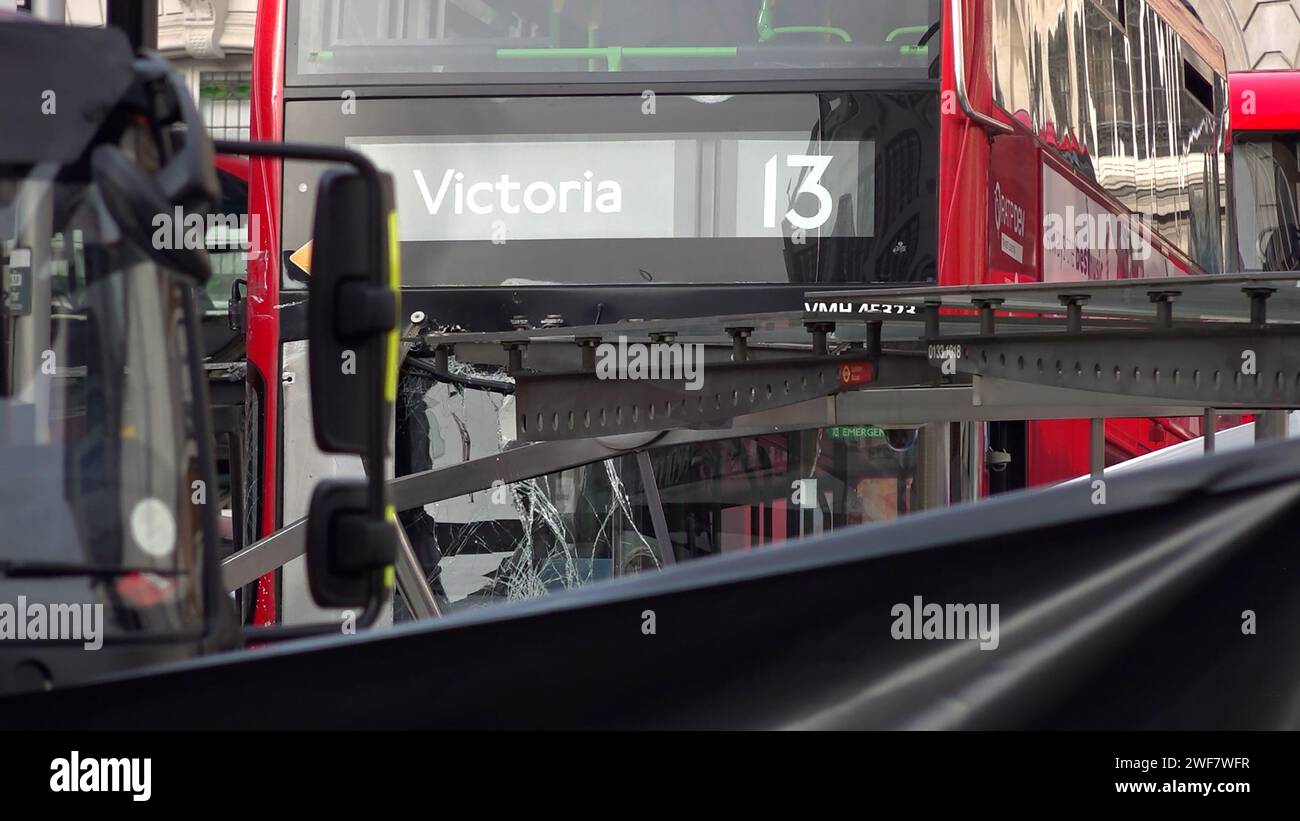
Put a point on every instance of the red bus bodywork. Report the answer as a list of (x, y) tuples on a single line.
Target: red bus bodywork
[(264, 194), (1265, 100), (970, 168)]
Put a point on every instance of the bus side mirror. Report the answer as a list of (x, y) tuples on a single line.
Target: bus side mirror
[(350, 552), (350, 314), (352, 309), (352, 344)]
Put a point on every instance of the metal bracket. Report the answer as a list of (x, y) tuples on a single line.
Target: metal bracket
[(579, 404), (1223, 367)]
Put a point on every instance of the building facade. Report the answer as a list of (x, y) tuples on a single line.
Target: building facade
[(1256, 34), (211, 43)]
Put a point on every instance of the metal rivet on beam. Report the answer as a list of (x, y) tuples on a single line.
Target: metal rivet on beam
[(930, 308), (820, 332), (1164, 302), (587, 344), (873, 336), (986, 308), (1074, 310), (1258, 303), (740, 342), (515, 352)]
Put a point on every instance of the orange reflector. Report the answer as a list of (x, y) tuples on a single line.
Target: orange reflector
[(857, 373), (302, 258)]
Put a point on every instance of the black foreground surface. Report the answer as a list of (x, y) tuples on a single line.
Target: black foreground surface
[(1123, 615)]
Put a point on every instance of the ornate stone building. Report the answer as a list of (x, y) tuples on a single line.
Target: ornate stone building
[(211, 43), (1255, 33)]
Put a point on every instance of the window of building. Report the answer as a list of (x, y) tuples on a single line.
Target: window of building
[(224, 100)]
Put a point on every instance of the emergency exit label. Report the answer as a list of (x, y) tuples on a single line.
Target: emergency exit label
[(856, 432), (18, 283)]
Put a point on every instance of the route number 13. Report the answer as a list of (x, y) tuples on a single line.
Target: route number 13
[(811, 185)]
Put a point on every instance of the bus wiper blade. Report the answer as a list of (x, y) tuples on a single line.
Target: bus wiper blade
[(39, 569)]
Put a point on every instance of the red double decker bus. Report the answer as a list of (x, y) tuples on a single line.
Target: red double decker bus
[(1265, 169), (587, 161), (1118, 115)]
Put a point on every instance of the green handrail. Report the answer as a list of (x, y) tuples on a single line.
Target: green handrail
[(910, 49), (613, 55), (833, 31), (767, 33)]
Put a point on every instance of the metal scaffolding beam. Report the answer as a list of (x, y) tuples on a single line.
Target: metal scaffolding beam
[(1177, 347)]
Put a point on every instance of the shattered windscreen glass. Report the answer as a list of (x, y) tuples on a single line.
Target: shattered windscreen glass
[(597, 522)]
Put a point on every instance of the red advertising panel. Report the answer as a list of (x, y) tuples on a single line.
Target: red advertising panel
[(1013, 210)]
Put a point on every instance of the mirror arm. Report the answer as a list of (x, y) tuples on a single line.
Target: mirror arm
[(991, 124), (374, 192)]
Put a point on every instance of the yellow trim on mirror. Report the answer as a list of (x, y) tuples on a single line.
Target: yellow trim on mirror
[(394, 282)]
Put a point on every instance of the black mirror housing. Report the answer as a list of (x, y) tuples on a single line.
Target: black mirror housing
[(350, 553), (349, 314)]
